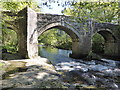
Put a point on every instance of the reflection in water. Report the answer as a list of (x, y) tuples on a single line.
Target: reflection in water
[(51, 50), (61, 60), (55, 55), (54, 51)]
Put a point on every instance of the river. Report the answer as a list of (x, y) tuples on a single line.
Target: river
[(59, 58), (101, 73)]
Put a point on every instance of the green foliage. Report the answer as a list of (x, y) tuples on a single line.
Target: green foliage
[(99, 11), (14, 5), (9, 30), (98, 43), (56, 38), (1, 64), (9, 38)]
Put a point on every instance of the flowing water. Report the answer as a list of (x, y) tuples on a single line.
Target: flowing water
[(101, 73), (60, 57)]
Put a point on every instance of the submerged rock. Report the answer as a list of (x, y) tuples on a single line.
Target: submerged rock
[(112, 72), (110, 62), (98, 67), (7, 84), (82, 69), (93, 56)]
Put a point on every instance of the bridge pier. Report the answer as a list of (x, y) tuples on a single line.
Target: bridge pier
[(81, 47), (22, 33), (112, 49), (28, 36)]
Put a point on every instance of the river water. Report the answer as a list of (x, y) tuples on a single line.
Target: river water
[(101, 73), (61, 60)]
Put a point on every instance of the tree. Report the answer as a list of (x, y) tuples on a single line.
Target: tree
[(98, 43), (56, 38), (9, 30), (99, 11), (15, 6)]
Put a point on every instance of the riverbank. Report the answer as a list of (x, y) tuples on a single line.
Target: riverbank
[(37, 74), (40, 73)]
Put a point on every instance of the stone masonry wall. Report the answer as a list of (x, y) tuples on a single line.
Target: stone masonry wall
[(33, 24)]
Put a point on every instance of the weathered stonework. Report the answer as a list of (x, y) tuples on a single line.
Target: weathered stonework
[(33, 24)]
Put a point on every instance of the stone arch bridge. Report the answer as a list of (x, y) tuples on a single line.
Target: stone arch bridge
[(32, 24)]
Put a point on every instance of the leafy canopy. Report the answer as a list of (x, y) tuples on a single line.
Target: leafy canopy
[(99, 11), (15, 5)]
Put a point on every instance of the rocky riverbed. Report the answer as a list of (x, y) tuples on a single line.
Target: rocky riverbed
[(104, 73), (40, 73)]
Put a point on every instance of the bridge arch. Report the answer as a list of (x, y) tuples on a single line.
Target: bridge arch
[(62, 26), (110, 46), (107, 35), (69, 30)]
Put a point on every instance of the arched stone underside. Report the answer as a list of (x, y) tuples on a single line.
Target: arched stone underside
[(70, 31), (111, 34), (32, 24), (110, 43), (110, 40)]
